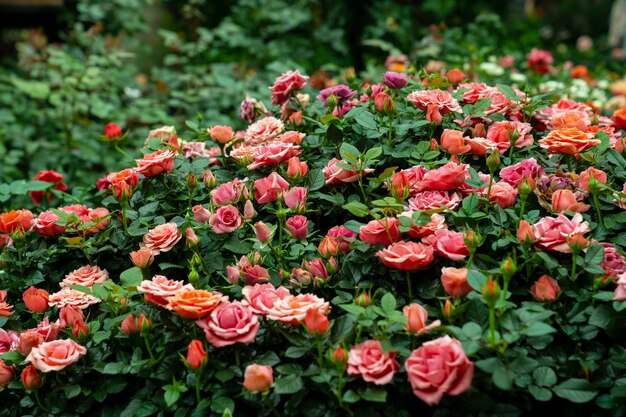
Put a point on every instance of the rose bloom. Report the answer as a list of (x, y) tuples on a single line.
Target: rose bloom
[(368, 361), (159, 288), (447, 177), (340, 92), (258, 378), (267, 190), (619, 118), (503, 194), (263, 131), (439, 367), (53, 178), (56, 355), (620, 290), (16, 220), (162, 238), (86, 276), (448, 244), (226, 219), (230, 323), (45, 224), (454, 142), (250, 109), (75, 298), (614, 263), (394, 80), (454, 281), (295, 198), (200, 213), (586, 175), (227, 193), (552, 233), (260, 298), (565, 200), (36, 299), (435, 201), (285, 85), (416, 317), (221, 134), (339, 234), (123, 182), (49, 331), (568, 141), (195, 304), (5, 308), (142, 258), (570, 119), (545, 288), (298, 226), (435, 103), (480, 146), (437, 222), (502, 133), (28, 340), (292, 309), (381, 232), (156, 163), (272, 153), (296, 169), (6, 374), (540, 60), (514, 174), (336, 175), (408, 256), (475, 91), (254, 274)]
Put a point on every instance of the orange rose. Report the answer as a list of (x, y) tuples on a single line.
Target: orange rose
[(454, 281), (196, 355), (545, 288), (36, 299), (16, 220), (258, 378), (569, 141), (195, 304), (619, 118), (156, 162)]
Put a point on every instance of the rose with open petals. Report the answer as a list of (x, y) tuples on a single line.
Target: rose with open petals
[(46, 225), (614, 263), (454, 281), (437, 222), (123, 182), (439, 367), (569, 141), (260, 298), (70, 297), (263, 131), (454, 142), (503, 194), (448, 244), (272, 153), (36, 299), (435, 103), (565, 200), (285, 85), (368, 361), (408, 256), (514, 174), (15, 220), (336, 175), (159, 288), (447, 177), (162, 238), (503, 132), (381, 232), (230, 323), (267, 190), (55, 355), (292, 308), (552, 233), (54, 178), (156, 162), (195, 304), (435, 201), (228, 192), (87, 276), (226, 219)]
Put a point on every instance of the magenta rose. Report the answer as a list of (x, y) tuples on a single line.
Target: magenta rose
[(368, 361), (226, 220), (230, 323)]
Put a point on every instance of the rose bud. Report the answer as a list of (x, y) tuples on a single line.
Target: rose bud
[(80, 329), (454, 281), (196, 355), (416, 317), (472, 240), (577, 241), (298, 226), (142, 258), (545, 288), (248, 210), (296, 168), (132, 324), (233, 274), (201, 214), (6, 374), (339, 356), (315, 321), (491, 291), (262, 232), (258, 378), (30, 378), (70, 315), (191, 237), (112, 131), (28, 340), (493, 161), (526, 232), (328, 247), (221, 134), (363, 299), (36, 299), (455, 76), (448, 309), (209, 179)]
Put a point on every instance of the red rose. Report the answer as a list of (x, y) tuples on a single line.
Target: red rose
[(112, 131), (53, 178)]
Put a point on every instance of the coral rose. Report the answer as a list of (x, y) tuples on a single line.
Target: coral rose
[(196, 355), (570, 141), (545, 288), (230, 323), (156, 162), (286, 85), (453, 142), (267, 190), (416, 317), (159, 288), (552, 233), (591, 172), (87, 276), (6, 374), (381, 232), (46, 225), (448, 244), (368, 361), (74, 298), (123, 183), (162, 238), (439, 367), (454, 281), (226, 219), (53, 178), (260, 298), (565, 200), (292, 309), (272, 153), (195, 304), (408, 256), (56, 355), (619, 118), (435, 103), (30, 378), (503, 194), (258, 378), (16, 220), (36, 299)]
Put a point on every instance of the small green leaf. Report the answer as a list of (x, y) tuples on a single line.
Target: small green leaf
[(378, 395), (222, 404), (544, 376), (351, 397), (576, 390), (373, 153), (538, 328), (353, 309), (289, 384), (388, 303), (132, 277), (357, 209), (540, 394), (349, 153)]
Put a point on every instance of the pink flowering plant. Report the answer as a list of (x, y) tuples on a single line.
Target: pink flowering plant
[(400, 247)]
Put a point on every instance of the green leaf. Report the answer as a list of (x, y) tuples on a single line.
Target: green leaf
[(378, 395), (503, 378), (296, 351), (289, 384), (594, 255), (72, 391), (538, 328), (12, 356), (576, 390), (357, 209), (35, 89), (367, 120), (544, 376), (388, 303), (131, 277), (113, 368), (508, 92), (476, 279), (222, 404), (351, 397), (316, 180), (373, 153), (540, 394), (349, 153), (353, 309), (170, 396)]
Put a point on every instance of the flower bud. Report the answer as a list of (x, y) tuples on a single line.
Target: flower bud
[(142, 258), (491, 292), (384, 103), (233, 274), (315, 321), (262, 232), (455, 76), (526, 232), (30, 378), (448, 310), (112, 131), (339, 357), (363, 300), (248, 210), (328, 247), (132, 324), (80, 330), (472, 240), (196, 355), (524, 188), (332, 266), (508, 267), (70, 315), (545, 288), (209, 179), (577, 242), (493, 161), (36, 299), (258, 378), (191, 181), (331, 102), (296, 169), (193, 277)]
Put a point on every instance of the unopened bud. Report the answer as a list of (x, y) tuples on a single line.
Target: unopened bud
[(508, 267), (339, 356), (493, 161), (491, 291), (448, 309), (363, 300), (193, 277), (472, 240)]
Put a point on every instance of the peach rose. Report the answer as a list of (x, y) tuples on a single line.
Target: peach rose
[(454, 281), (87, 276), (15, 220), (448, 244), (28, 340), (258, 378), (503, 132), (545, 288), (416, 317), (503, 194), (200, 213), (162, 238), (226, 219), (380, 232), (221, 134), (75, 298), (296, 169), (230, 323), (195, 304), (408, 256), (260, 298), (565, 200), (272, 153), (292, 309), (368, 361), (156, 162), (36, 299), (292, 137), (569, 140), (267, 190), (6, 374), (439, 367), (552, 233), (123, 183), (435, 201), (447, 177), (619, 118), (159, 288), (142, 258), (435, 103), (591, 172), (56, 355), (453, 142), (263, 131)]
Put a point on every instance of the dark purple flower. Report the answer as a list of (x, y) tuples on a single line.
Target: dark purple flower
[(394, 80), (341, 92)]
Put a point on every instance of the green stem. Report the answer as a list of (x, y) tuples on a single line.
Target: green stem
[(390, 133), (318, 341), (198, 399), (408, 284), (489, 188), (597, 205), (44, 409), (492, 325), (237, 357), (147, 343), (361, 187), (572, 276), (124, 218), (521, 211), (117, 148)]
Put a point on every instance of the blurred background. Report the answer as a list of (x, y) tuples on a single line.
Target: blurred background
[(68, 67)]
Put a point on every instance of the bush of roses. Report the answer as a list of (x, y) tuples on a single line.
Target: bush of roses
[(423, 244)]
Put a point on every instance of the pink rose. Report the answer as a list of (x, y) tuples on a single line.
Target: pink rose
[(565, 200), (335, 175), (298, 226), (437, 222), (514, 174), (439, 367), (156, 163), (503, 194), (230, 323), (368, 361), (56, 355), (226, 220), (381, 232), (448, 244), (227, 193), (620, 290), (416, 317), (7, 342), (75, 298), (267, 190), (260, 298), (87, 276), (46, 225), (162, 238), (614, 263), (200, 213), (503, 132), (448, 177), (408, 256), (291, 137), (434, 201), (552, 233), (272, 153), (340, 234), (6, 374), (292, 309), (435, 103), (254, 274), (263, 131), (221, 134), (295, 198), (454, 281), (285, 85), (586, 175), (159, 288)]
